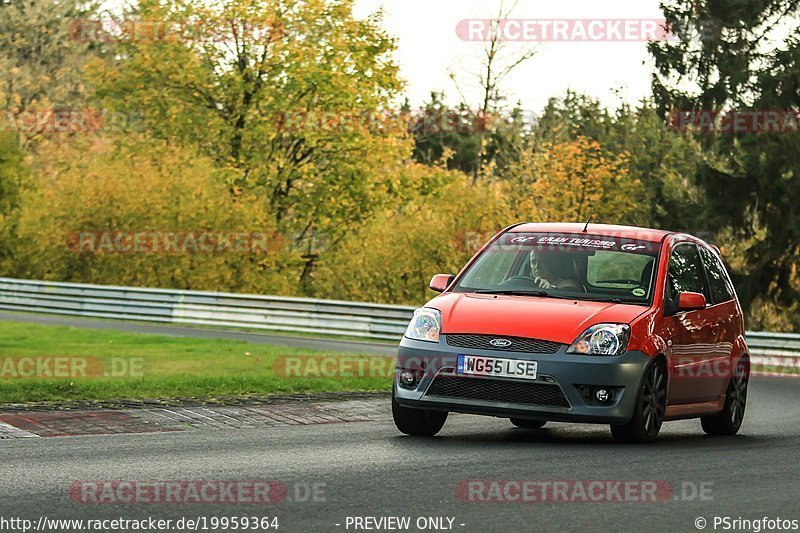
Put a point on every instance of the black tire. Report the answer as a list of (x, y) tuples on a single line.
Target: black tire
[(528, 424), (417, 422), (651, 403), (730, 419)]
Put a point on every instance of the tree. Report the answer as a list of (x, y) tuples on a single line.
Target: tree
[(392, 258), (497, 63), (664, 161), (743, 57), (12, 176), (289, 94), (570, 180), (134, 185), (570, 116), (666, 164), (456, 134), (441, 131), (42, 60)]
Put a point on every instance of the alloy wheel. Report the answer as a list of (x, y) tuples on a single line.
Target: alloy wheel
[(654, 400), (738, 393)]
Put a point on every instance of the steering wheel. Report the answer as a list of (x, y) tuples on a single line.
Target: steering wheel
[(582, 288), (519, 277)]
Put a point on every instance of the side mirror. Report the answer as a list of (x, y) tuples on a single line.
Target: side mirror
[(440, 282), (691, 301)]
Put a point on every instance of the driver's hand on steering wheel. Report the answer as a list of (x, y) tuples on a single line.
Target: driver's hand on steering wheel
[(543, 283)]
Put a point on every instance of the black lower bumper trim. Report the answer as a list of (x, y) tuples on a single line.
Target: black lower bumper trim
[(495, 390)]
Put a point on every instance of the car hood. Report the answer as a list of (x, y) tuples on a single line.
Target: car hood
[(527, 316)]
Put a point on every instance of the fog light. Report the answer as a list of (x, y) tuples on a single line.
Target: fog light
[(602, 395), (408, 379)]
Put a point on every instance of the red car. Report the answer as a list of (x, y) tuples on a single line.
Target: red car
[(579, 323)]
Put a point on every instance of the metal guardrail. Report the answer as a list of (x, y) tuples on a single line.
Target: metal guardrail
[(776, 344), (305, 315), (372, 321)]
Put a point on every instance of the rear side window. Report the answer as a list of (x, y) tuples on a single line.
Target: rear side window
[(685, 271), (718, 280)]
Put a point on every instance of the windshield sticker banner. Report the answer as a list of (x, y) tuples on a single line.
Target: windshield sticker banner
[(591, 242)]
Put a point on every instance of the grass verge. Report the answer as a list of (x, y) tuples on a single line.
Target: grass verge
[(57, 363)]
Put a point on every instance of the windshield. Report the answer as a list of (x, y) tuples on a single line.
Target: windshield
[(582, 267)]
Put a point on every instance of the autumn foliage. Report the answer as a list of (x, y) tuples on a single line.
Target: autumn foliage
[(200, 133)]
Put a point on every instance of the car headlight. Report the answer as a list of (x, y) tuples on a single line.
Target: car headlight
[(426, 325), (602, 339)]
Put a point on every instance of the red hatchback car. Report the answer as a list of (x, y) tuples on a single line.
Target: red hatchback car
[(579, 323)]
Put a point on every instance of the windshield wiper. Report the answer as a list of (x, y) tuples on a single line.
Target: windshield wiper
[(615, 300), (545, 294), (513, 292), (517, 292)]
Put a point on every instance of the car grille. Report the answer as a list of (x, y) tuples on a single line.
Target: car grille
[(494, 390), (518, 344)]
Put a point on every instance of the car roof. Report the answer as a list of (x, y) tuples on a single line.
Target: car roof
[(608, 230)]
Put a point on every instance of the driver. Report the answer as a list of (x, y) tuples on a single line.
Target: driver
[(552, 271)]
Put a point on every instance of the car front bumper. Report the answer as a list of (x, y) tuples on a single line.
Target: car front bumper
[(563, 391)]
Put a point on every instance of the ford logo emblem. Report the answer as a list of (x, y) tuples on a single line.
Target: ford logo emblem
[(500, 343)]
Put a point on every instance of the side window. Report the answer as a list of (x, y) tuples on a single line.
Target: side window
[(620, 271), (718, 280), (685, 272)]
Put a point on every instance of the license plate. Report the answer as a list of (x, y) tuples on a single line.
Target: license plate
[(497, 367)]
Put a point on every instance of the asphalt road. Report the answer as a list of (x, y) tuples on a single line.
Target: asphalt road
[(368, 469)]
